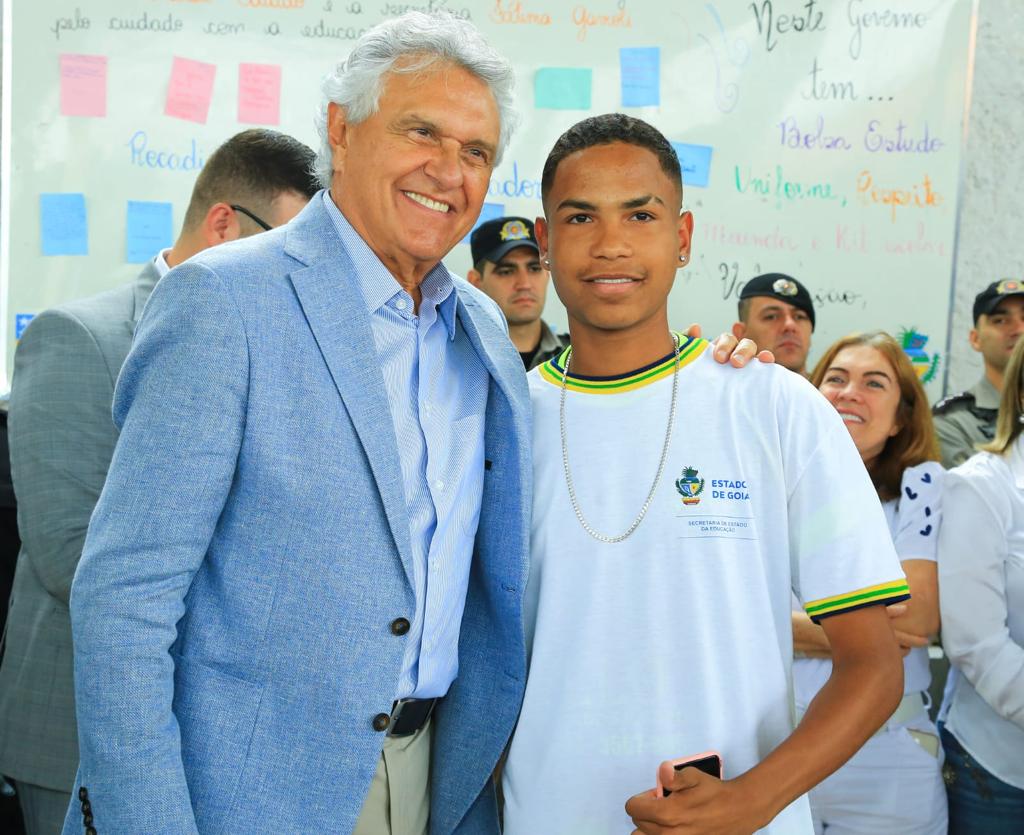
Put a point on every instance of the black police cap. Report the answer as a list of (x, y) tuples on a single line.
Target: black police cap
[(988, 299), (783, 287), (491, 240)]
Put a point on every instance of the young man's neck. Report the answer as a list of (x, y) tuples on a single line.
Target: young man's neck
[(612, 353), (526, 337), (994, 376)]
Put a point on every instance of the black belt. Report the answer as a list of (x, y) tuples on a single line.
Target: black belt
[(410, 715)]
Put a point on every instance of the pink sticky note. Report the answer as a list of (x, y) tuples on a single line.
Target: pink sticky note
[(190, 90), (259, 94), (83, 85)]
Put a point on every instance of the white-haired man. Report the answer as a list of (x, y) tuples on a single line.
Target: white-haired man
[(299, 604)]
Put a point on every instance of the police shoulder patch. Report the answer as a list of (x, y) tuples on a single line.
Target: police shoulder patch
[(964, 398)]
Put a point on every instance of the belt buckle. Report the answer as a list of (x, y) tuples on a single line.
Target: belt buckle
[(399, 708)]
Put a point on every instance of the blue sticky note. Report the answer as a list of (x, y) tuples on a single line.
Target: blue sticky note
[(640, 69), (148, 229), (557, 88), (63, 225), (695, 161), (21, 321), (489, 212)]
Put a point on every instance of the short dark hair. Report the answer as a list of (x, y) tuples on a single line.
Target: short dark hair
[(743, 310), (251, 169), (606, 130)]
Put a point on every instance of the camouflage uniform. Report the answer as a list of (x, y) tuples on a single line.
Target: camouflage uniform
[(964, 420)]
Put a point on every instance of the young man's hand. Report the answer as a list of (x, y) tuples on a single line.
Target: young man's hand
[(699, 803), (729, 349)]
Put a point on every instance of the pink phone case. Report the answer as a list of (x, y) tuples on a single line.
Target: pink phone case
[(677, 764)]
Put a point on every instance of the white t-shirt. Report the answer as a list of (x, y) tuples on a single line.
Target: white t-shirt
[(678, 640), (914, 525)]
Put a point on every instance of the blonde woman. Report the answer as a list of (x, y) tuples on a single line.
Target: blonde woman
[(981, 571), (894, 783)]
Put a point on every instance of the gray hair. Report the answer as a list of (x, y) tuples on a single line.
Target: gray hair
[(356, 82)]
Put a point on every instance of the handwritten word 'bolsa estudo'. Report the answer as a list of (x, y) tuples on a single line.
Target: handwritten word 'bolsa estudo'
[(878, 137)]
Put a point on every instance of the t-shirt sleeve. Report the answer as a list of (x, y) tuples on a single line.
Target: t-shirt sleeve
[(915, 531), (841, 552)]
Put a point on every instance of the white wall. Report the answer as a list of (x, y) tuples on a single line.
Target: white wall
[(992, 207)]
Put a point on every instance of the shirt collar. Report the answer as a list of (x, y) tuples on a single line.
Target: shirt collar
[(986, 395), (376, 283), (160, 262)]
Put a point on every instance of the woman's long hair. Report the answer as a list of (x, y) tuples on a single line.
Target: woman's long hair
[(1008, 425), (915, 442)]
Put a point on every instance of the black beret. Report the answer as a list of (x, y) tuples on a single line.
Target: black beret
[(491, 240), (988, 299), (783, 287)]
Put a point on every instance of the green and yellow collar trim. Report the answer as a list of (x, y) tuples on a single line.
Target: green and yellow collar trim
[(689, 350)]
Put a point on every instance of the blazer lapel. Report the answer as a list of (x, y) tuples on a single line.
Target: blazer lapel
[(337, 316)]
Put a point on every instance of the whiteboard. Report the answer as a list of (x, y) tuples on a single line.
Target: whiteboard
[(821, 138)]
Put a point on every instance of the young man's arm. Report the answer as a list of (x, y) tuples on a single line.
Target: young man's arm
[(865, 686)]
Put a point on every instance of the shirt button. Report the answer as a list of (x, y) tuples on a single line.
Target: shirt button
[(381, 722), (439, 485), (400, 304), (399, 626)]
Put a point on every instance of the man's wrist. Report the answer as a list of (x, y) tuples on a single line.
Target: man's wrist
[(760, 795)]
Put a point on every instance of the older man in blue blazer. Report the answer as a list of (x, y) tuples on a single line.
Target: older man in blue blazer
[(298, 606)]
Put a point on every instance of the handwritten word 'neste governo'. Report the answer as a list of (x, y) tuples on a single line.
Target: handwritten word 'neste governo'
[(877, 138)]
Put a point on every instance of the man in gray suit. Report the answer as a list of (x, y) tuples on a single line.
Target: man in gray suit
[(62, 438)]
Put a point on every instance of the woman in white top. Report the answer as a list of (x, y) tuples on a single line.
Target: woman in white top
[(894, 783), (982, 600)]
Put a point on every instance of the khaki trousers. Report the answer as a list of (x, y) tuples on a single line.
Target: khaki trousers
[(398, 802)]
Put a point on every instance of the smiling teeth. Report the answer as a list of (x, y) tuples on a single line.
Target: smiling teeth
[(852, 419), (436, 205), (613, 281)]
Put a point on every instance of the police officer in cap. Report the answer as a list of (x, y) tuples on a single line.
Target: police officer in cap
[(968, 418), (507, 267), (776, 312)]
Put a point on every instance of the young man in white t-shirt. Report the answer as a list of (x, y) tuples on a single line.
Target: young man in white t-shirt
[(677, 506)]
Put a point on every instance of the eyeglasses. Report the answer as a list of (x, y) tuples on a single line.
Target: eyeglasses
[(259, 221)]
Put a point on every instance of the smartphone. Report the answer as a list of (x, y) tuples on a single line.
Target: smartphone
[(710, 762)]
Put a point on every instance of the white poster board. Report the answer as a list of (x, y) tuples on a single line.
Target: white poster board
[(821, 138)]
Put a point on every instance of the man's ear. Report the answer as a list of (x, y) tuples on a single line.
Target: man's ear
[(474, 278), (739, 330), (540, 229), (220, 225), (972, 337), (685, 234), (337, 134)]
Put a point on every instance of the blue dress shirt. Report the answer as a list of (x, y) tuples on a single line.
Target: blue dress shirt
[(437, 390)]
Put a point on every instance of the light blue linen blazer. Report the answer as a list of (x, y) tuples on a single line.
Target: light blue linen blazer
[(231, 612)]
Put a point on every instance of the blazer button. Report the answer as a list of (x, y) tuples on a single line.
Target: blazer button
[(399, 626), (86, 807), (87, 819), (381, 722), (90, 831), (83, 793)]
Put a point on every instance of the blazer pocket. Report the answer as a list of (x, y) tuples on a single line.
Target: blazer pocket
[(216, 714)]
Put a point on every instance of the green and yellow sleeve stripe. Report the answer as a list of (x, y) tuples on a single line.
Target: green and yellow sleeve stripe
[(884, 594)]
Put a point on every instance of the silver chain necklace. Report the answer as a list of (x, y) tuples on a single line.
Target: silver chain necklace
[(661, 464)]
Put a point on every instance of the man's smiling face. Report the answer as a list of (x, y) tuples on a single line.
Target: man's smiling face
[(411, 179), (614, 234)]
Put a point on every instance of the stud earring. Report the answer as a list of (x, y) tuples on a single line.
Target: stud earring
[(547, 264), (682, 258)]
